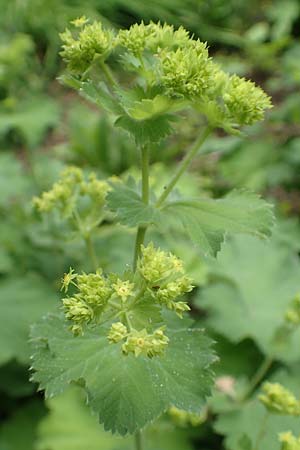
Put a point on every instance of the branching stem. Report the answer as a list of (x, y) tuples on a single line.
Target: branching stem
[(91, 251), (184, 165), (141, 231), (258, 376), (109, 76)]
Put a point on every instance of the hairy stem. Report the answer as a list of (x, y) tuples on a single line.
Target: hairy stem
[(258, 376), (138, 440), (109, 76), (184, 165), (141, 231), (91, 251)]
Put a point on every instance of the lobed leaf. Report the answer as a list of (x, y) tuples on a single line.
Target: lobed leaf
[(127, 392), (146, 132), (255, 283), (81, 430), (127, 203), (208, 220)]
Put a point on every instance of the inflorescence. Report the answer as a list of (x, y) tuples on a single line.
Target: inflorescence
[(174, 64), (279, 400), (76, 198), (159, 281)]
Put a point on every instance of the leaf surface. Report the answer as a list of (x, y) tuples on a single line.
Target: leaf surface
[(81, 430), (127, 392), (127, 203), (208, 220), (255, 282)]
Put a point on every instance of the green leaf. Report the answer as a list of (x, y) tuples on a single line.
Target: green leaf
[(81, 430), (19, 432), (208, 220), (127, 392), (23, 301), (148, 108), (145, 314), (250, 419), (146, 132), (245, 443), (95, 93), (127, 203), (254, 284)]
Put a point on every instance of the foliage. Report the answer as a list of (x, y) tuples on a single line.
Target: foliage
[(148, 92)]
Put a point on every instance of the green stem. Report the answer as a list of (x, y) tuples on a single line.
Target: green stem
[(91, 251), (109, 76), (141, 231), (184, 165), (138, 440), (258, 376), (262, 431), (127, 320)]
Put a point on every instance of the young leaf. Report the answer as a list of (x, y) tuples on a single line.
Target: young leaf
[(95, 93), (126, 391), (207, 220), (130, 209), (149, 131), (255, 284), (148, 108)]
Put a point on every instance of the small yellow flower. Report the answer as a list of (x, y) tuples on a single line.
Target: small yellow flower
[(67, 279), (123, 289), (79, 22)]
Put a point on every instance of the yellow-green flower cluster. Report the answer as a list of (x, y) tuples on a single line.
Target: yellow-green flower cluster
[(158, 281), (292, 315), (165, 279), (152, 37), (61, 194), (65, 196), (143, 343), (186, 71), (289, 441), (184, 418), (86, 305), (245, 102), (280, 400), (117, 333), (175, 63), (80, 49)]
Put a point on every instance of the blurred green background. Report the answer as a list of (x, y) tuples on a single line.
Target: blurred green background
[(44, 127)]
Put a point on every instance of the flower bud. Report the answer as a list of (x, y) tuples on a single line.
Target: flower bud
[(117, 332)]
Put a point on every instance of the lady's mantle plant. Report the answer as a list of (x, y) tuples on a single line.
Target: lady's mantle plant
[(125, 338)]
